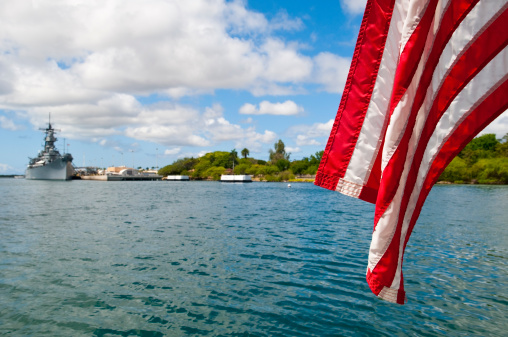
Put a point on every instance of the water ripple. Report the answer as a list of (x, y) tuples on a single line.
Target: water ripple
[(212, 259)]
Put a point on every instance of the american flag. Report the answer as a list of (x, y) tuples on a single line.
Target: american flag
[(426, 77)]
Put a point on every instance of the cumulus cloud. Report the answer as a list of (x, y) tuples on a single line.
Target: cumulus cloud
[(302, 140), (306, 135), (293, 150), (8, 124), (499, 126), (88, 62), (4, 168), (354, 6), (173, 151), (62, 51), (331, 71), (287, 108), (166, 123)]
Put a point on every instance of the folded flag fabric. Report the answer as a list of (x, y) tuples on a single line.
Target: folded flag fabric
[(426, 77)]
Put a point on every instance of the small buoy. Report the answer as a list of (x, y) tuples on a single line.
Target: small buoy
[(289, 185)]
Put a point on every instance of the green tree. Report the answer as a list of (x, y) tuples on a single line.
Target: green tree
[(279, 152), (180, 165), (502, 147), (480, 147), (242, 168), (245, 153), (282, 164), (233, 155), (214, 172), (315, 159), (299, 166), (456, 171)]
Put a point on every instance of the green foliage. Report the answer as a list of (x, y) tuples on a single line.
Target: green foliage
[(282, 164), (316, 158), (184, 164), (279, 152), (299, 166), (484, 160), (488, 171), (242, 168), (312, 169), (215, 172), (480, 147), (247, 161), (233, 157), (254, 170), (218, 158), (457, 170), (272, 178), (502, 149), (307, 165), (486, 142), (286, 175)]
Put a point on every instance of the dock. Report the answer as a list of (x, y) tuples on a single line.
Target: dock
[(236, 178), (176, 178), (122, 178), (121, 173)]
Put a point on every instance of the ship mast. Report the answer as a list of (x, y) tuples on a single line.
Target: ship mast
[(50, 139)]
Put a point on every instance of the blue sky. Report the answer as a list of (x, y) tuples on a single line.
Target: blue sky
[(143, 83)]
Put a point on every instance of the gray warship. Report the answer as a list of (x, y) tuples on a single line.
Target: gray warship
[(49, 163)]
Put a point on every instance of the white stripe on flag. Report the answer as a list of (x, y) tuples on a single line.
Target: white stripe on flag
[(474, 92), (420, 87)]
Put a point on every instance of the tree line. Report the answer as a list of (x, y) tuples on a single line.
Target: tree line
[(212, 165), (483, 161)]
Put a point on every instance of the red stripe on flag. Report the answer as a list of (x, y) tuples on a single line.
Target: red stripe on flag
[(357, 93), (493, 106), (452, 18), (388, 245), (455, 13), (481, 51), (472, 61), (488, 110), (411, 55)]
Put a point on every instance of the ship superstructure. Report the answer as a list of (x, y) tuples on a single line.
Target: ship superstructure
[(49, 163)]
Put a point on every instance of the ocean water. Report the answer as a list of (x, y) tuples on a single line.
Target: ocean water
[(85, 258)]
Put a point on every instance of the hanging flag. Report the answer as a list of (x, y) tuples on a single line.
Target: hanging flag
[(426, 77)]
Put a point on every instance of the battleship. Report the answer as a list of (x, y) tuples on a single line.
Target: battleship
[(49, 163)]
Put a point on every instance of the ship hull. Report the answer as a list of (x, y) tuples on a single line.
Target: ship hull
[(56, 170)]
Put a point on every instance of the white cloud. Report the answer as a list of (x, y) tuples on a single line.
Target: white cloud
[(173, 151), (8, 124), (331, 71), (4, 168), (287, 108), (302, 140), (499, 126), (57, 52), (306, 135), (86, 61), (284, 22), (354, 6), (293, 150)]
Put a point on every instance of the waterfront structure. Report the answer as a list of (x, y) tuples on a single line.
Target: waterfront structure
[(236, 178), (177, 178), (123, 173), (49, 163)]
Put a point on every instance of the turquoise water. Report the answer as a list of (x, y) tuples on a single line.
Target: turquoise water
[(85, 258)]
